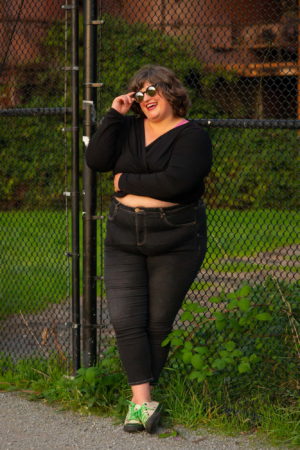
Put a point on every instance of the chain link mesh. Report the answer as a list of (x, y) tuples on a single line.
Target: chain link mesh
[(35, 272), (239, 61)]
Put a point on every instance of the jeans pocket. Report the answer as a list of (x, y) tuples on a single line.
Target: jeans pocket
[(113, 209), (182, 217)]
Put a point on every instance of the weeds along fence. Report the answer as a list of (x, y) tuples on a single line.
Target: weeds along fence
[(240, 64)]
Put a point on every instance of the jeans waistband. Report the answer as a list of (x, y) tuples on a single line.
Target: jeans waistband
[(173, 208)]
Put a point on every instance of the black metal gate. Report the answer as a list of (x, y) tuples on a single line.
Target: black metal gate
[(38, 116)]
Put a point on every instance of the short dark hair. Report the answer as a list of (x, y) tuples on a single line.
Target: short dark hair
[(166, 80)]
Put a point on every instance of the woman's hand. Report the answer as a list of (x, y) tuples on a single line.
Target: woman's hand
[(123, 103), (116, 182)]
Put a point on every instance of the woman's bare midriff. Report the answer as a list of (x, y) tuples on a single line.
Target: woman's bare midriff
[(138, 201)]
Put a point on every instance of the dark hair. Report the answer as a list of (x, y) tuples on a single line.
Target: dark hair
[(167, 82)]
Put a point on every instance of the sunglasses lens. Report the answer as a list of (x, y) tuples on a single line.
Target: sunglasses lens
[(139, 97), (151, 91)]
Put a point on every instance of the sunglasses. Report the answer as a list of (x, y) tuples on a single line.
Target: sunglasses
[(151, 91)]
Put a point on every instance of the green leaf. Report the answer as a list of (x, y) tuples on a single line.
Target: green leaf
[(237, 353), (244, 367), (91, 374), (166, 341), (229, 360), (220, 325), (194, 307), (264, 316), (186, 357), (197, 361), (219, 364), (230, 345), (201, 350), (232, 304), (244, 291), (176, 341), (188, 345), (254, 358), (187, 315), (215, 299), (244, 304), (219, 316), (168, 434), (194, 374)]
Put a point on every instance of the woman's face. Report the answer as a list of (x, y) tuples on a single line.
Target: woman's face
[(155, 108)]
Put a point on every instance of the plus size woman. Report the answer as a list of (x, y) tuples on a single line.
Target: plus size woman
[(156, 228)]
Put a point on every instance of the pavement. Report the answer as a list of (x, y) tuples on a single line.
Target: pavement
[(28, 425)]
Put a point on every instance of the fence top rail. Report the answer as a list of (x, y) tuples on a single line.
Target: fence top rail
[(250, 123), (34, 111), (212, 123)]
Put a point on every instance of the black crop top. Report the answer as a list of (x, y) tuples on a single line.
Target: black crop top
[(172, 168)]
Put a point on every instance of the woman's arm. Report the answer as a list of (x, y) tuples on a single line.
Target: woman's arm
[(104, 147), (190, 162)]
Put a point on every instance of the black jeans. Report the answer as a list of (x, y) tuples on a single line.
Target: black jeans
[(152, 256)]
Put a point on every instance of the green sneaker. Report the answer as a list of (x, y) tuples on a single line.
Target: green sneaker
[(150, 415), (133, 422)]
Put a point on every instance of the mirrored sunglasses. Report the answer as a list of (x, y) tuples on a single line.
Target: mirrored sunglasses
[(150, 91)]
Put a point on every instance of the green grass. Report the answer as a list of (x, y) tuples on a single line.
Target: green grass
[(34, 267), (255, 412), (246, 233), (35, 271)]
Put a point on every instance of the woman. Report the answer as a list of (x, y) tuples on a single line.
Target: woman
[(156, 230)]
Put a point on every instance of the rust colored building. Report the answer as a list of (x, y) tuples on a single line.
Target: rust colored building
[(23, 24), (255, 38)]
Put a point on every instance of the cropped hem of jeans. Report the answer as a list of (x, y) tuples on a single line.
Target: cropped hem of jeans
[(134, 383)]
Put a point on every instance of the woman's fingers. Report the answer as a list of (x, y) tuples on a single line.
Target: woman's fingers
[(122, 103)]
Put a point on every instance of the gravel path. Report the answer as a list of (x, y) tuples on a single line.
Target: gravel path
[(26, 425)]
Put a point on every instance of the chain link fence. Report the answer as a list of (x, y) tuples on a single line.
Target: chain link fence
[(34, 174), (240, 64)]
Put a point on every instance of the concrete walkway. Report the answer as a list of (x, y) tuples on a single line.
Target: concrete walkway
[(26, 425)]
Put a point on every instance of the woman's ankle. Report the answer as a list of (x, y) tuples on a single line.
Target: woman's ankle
[(141, 400), (141, 393)]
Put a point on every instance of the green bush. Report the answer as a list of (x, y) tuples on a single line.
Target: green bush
[(32, 172), (254, 169), (250, 337)]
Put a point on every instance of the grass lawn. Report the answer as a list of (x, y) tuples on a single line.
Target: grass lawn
[(35, 270)]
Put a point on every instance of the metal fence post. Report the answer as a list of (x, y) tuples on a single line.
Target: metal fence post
[(75, 190), (89, 311)]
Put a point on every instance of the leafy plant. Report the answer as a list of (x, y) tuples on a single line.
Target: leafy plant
[(252, 331)]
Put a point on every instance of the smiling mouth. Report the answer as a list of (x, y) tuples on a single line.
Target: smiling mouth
[(151, 106)]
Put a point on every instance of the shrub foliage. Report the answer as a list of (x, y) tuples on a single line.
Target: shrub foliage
[(252, 168)]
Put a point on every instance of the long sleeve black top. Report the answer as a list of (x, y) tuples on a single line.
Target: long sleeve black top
[(172, 168)]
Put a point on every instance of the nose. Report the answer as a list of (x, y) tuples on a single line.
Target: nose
[(147, 97)]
